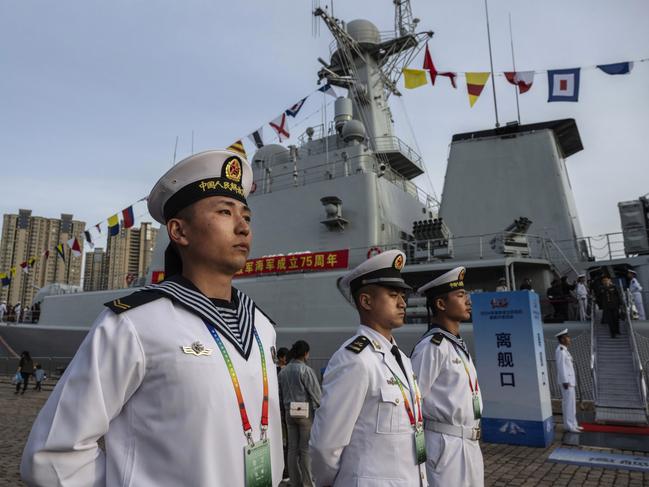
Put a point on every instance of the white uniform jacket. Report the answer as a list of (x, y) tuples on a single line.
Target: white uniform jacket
[(565, 366), (582, 291), (438, 364), (362, 435), (635, 286), (169, 418)]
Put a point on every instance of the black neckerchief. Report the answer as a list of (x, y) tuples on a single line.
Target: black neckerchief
[(234, 320)]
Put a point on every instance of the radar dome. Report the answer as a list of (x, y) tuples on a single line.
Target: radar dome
[(271, 155), (364, 32), (354, 130)]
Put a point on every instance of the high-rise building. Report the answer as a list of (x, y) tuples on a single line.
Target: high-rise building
[(95, 274), (129, 255), (27, 238)]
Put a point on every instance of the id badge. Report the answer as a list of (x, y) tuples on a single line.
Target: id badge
[(477, 410), (420, 445), (257, 462)]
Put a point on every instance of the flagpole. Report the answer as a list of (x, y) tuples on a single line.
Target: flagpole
[(491, 63), (511, 41)]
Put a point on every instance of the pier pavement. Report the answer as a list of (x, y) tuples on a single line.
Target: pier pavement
[(505, 465)]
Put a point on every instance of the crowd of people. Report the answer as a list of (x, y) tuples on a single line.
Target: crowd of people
[(17, 313), (571, 301)]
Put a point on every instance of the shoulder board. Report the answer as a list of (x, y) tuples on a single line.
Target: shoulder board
[(131, 301), (359, 343), (437, 338)]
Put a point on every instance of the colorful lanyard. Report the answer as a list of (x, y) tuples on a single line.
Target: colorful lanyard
[(406, 403), (247, 428), (468, 374)]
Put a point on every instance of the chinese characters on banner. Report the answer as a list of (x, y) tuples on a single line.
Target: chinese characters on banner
[(309, 262)]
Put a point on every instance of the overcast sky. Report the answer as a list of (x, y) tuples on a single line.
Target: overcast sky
[(93, 94)]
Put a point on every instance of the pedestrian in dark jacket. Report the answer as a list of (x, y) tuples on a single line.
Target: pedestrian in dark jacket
[(609, 301), (26, 369)]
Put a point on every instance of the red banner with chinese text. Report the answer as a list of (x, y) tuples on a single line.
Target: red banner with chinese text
[(308, 262)]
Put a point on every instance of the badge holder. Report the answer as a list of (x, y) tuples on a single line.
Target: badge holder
[(257, 463), (420, 445), (477, 410)]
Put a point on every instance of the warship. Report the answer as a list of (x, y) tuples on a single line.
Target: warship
[(346, 190)]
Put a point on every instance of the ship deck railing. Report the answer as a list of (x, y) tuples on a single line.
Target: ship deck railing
[(286, 176)]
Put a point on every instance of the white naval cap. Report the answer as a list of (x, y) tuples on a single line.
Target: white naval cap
[(561, 333), (209, 173), (631, 271), (383, 269), (450, 281)]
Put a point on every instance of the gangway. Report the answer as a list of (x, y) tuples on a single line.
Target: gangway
[(620, 388)]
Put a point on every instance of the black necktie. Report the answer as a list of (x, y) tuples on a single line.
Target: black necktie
[(397, 355)]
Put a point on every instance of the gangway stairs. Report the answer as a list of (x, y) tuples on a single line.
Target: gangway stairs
[(620, 388)]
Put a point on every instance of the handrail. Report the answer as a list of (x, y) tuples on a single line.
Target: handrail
[(636, 354), (550, 240), (593, 348), (646, 377)]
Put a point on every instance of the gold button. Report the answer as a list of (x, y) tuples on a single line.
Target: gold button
[(397, 401)]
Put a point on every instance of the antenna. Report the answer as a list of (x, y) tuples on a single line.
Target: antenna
[(491, 63), (315, 25), (404, 23), (511, 41), (175, 150)]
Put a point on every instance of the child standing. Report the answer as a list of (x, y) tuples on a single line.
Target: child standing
[(39, 375)]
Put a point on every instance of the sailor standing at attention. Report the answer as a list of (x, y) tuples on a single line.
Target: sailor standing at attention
[(368, 428), (449, 385), (179, 377), (566, 377)]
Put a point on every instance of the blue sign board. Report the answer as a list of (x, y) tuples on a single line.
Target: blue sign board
[(512, 368)]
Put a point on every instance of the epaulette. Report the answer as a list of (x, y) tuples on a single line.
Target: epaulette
[(437, 338), (359, 343), (131, 301)]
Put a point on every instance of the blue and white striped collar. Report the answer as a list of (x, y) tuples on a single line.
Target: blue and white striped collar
[(235, 324)]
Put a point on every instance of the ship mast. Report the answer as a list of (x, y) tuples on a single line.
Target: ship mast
[(369, 65)]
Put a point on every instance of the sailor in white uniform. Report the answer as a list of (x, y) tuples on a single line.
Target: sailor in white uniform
[(567, 381), (582, 297), (636, 291), (179, 377), (450, 388), (368, 430)]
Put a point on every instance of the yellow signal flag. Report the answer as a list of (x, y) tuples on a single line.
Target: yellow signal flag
[(414, 78), (113, 220), (238, 148), (474, 84)]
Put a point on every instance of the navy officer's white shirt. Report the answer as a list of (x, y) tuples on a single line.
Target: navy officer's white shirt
[(169, 418), (362, 434)]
